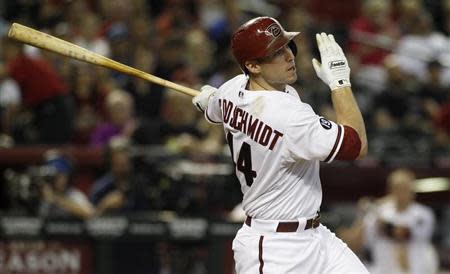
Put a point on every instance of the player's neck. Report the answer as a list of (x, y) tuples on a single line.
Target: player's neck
[(258, 84)]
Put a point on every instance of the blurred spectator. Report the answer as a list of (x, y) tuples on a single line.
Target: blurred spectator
[(176, 17), (199, 51), (10, 101), (219, 19), (400, 130), (89, 35), (171, 57), (433, 93), (3, 24), (147, 96), (59, 197), (120, 44), (74, 14), (121, 189), (299, 19), (49, 13), (212, 16), (143, 34), (181, 122), (371, 38), (120, 120), (446, 16), (395, 106), (373, 34), (421, 45), (399, 230), (115, 11), (328, 12), (442, 123), (88, 99), (43, 92), (186, 133), (408, 13)]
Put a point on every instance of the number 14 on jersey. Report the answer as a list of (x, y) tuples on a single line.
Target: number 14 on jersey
[(244, 160)]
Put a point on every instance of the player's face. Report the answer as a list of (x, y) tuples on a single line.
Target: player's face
[(403, 193), (279, 69)]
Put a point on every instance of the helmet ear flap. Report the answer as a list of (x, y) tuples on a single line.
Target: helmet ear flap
[(293, 47)]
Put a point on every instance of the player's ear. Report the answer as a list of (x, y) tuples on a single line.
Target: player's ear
[(253, 67)]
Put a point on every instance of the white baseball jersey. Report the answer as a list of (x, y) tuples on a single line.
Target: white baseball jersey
[(420, 254), (276, 142)]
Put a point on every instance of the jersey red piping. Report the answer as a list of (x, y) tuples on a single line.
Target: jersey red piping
[(261, 261)]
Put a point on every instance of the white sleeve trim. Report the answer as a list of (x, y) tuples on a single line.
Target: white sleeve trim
[(337, 145)]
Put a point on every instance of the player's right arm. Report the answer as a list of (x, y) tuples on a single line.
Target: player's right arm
[(208, 103), (335, 72)]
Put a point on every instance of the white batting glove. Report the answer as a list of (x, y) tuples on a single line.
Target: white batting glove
[(201, 100), (334, 70)]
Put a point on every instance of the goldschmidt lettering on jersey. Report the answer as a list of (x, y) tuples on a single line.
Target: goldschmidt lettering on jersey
[(255, 128)]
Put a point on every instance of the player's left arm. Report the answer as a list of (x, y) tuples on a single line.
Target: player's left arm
[(349, 115), (335, 72)]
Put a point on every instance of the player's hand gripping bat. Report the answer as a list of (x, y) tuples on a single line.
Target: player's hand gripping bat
[(45, 41)]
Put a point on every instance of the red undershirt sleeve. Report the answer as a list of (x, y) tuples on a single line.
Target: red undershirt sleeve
[(351, 145)]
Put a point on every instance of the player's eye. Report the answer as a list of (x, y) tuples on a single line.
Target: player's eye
[(269, 58), (279, 52)]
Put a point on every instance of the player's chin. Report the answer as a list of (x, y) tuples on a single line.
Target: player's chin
[(291, 78)]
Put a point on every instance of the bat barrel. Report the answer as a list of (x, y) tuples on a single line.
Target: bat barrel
[(45, 41)]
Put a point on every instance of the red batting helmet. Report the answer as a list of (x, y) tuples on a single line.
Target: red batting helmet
[(260, 37)]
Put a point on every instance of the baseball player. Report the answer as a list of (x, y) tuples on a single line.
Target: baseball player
[(276, 143), (399, 230)]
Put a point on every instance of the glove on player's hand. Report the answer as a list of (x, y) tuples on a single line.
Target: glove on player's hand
[(201, 101), (334, 70)]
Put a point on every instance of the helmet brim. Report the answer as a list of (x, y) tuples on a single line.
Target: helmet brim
[(280, 42)]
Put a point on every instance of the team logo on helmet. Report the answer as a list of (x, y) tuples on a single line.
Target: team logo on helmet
[(274, 30)]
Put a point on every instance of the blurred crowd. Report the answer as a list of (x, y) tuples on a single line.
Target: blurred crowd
[(399, 53)]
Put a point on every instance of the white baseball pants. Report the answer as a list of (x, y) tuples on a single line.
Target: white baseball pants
[(260, 250)]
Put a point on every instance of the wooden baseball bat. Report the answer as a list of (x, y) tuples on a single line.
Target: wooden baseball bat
[(45, 41)]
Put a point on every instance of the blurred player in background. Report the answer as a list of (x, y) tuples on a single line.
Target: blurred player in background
[(399, 230), (276, 143)]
